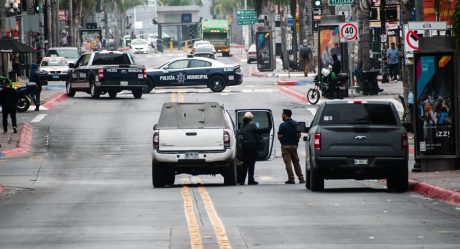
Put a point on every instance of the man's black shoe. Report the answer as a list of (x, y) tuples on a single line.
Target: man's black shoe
[(302, 181), (253, 183), (380, 90), (289, 182), (14, 130)]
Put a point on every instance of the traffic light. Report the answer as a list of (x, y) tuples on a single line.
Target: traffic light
[(36, 6), (317, 4)]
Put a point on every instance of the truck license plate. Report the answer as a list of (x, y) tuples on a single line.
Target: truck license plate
[(360, 161), (55, 76), (191, 155), (123, 83)]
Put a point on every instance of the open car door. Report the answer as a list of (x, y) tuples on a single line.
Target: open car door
[(263, 118)]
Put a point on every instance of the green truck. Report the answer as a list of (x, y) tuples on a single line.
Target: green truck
[(218, 33)]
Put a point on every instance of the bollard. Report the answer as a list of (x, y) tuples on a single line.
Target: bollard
[(186, 47), (170, 46)]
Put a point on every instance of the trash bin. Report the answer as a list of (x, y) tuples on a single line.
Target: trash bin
[(369, 82)]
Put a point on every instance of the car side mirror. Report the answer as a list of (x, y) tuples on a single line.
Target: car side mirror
[(71, 65), (165, 68), (306, 138), (302, 127), (155, 127)]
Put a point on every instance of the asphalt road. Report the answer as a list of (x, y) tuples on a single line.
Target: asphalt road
[(87, 184)]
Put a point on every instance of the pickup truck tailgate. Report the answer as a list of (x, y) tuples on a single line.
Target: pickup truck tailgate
[(370, 141), (191, 140), (123, 73)]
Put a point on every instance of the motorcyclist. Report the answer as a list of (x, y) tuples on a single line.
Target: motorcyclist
[(35, 91)]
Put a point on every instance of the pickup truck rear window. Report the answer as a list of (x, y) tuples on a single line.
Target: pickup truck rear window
[(111, 59), (191, 116), (350, 114)]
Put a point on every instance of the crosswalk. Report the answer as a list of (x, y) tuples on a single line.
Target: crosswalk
[(226, 91)]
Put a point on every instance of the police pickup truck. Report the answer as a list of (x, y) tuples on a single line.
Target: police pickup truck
[(106, 72), (357, 139), (199, 138)]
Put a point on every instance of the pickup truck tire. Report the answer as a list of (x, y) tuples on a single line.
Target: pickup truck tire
[(94, 90), (112, 94), (149, 87), (217, 83), (158, 175), (230, 174), (307, 178), (69, 90), (316, 181), (399, 182), (137, 93)]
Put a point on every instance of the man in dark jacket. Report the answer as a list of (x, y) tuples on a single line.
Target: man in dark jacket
[(8, 100), (250, 140), (289, 138), (33, 77)]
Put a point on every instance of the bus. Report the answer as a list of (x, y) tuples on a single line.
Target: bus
[(218, 33)]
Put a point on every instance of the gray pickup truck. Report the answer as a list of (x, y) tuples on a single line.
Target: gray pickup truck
[(359, 140)]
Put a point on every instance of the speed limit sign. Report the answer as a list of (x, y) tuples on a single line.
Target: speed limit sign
[(349, 31)]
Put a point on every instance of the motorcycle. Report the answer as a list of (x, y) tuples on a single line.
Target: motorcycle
[(25, 92), (327, 84)]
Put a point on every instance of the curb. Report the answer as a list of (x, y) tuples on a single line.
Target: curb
[(25, 139), (435, 192), (287, 82), (55, 100), (298, 96)]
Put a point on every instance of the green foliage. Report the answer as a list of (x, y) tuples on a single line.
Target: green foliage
[(456, 24)]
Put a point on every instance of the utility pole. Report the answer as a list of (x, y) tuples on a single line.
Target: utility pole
[(71, 26), (49, 36)]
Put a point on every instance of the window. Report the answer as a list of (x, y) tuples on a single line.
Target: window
[(181, 64), (376, 114), (85, 60), (199, 63), (111, 59)]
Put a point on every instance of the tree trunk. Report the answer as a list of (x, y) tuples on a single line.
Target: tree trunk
[(283, 37), (49, 22), (293, 7), (365, 35), (302, 17), (71, 25)]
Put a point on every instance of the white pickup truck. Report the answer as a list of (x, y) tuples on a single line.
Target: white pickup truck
[(200, 138)]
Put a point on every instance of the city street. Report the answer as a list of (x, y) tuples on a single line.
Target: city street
[(88, 184)]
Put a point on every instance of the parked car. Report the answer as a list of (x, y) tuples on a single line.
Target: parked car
[(71, 54), (57, 67), (251, 53), (199, 138), (140, 46), (205, 50), (357, 139)]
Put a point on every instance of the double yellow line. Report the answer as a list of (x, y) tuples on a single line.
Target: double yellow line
[(192, 223), (177, 97)]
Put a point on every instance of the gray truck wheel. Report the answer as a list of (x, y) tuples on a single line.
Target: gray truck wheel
[(316, 181), (399, 182), (149, 87), (137, 93), (70, 91), (230, 174), (307, 178), (158, 176), (112, 94)]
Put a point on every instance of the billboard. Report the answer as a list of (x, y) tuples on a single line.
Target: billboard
[(264, 51), (435, 104), (329, 44)]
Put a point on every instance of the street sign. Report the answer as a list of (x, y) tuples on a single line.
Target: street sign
[(349, 31), (258, 25), (428, 25), (411, 38), (340, 2), (246, 17), (290, 21), (343, 10)]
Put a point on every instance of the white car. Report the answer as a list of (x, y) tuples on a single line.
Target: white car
[(200, 138), (252, 53), (198, 43), (56, 67), (140, 46)]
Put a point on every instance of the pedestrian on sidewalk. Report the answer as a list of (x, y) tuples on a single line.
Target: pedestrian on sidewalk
[(393, 61), (251, 137), (33, 77), (289, 137), (8, 100), (306, 56)]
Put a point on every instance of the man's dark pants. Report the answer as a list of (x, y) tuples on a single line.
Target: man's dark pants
[(393, 68), (249, 161), (12, 114), (36, 97)]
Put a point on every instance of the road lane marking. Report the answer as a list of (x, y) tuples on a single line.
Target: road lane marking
[(173, 96), (181, 98), (192, 223), (219, 229), (38, 118)]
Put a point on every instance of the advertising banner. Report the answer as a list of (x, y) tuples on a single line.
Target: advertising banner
[(435, 104), (329, 44), (264, 51)]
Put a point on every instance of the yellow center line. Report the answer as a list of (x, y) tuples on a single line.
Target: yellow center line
[(219, 229), (181, 97), (173, 97), (177, 97), (193, 227)]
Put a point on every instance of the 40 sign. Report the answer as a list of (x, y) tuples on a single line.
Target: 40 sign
[(349, 31)]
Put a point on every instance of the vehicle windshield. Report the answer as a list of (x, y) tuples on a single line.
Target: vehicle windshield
[(198, 43), (111, 59), (216, 36), (346, 114), (66, 53), (138, 42), (54, 63), (192, 116), (204, 49)]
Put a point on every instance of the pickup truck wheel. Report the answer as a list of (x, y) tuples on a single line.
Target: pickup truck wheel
[(94, 90), (149, 87), (112, 94), (398, 182), (69, 90), (307, 178), (230, 175), (217, 83), (158, 176), (137, 93), (316, 181)]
